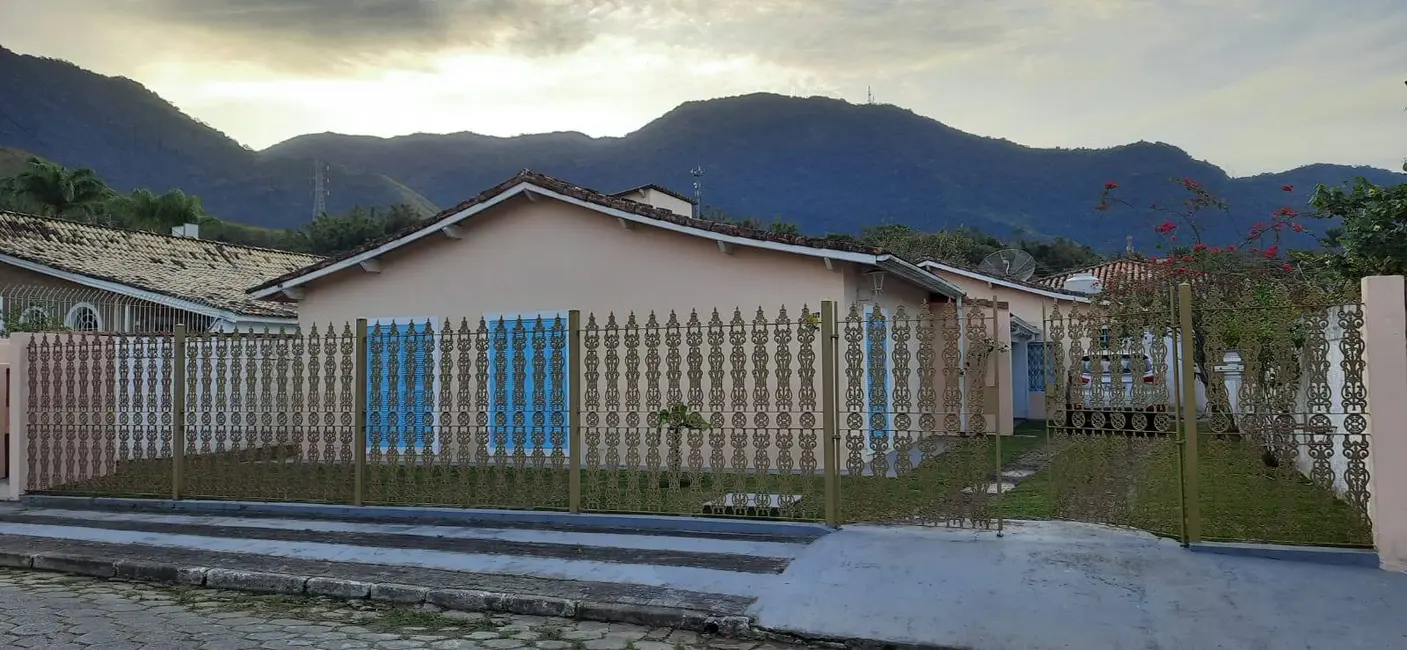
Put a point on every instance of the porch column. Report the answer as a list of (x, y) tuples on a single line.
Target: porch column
[(1385, 350)]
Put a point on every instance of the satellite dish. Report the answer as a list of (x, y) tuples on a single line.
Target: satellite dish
[(1009, 263)]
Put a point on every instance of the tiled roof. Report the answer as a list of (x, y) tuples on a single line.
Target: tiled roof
[(1032, 284), (213, 274), (1108, 273), (589, 196)]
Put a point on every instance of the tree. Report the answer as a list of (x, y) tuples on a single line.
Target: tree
[(55, 191), (1371, 238), (159, 212)]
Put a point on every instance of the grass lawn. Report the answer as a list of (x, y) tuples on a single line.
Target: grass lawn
[(931, 492), (1135, 482)]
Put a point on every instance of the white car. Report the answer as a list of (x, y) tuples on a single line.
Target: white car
[(1114, 383)]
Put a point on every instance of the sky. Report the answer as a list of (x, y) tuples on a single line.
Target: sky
[(1251, 85)]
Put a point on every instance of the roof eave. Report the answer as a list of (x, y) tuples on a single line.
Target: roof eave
[(1049, 293), (904, 269)]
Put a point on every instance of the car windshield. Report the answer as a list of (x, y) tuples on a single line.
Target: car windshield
[(1125, 364)]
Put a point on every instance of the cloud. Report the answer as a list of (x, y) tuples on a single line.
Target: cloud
[(315, 35)]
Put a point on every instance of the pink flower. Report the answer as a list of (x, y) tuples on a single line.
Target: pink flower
[(1287, 188), (1111, 185), (1297, 227), (1286, 267), (1271, 252), (1286, 211), (1165, 227), (1199, 247)]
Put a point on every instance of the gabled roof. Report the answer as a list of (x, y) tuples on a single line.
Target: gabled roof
[(658, 188), (195, 275), (1056, 293), (1108, 272), (532, 184)]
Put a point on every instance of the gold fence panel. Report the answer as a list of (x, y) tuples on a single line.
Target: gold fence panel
[(1283, 448), (702, 415), (99, 414), (268, 416), (919, 439), (1112, 396)]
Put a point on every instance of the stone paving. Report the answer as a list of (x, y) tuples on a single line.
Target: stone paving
[(60, 612)]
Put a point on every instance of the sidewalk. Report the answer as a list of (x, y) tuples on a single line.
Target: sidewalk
[(1044, 585)]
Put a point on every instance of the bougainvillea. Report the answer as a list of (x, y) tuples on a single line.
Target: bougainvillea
[(1257, 267)]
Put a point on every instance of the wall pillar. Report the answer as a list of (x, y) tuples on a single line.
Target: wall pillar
[(18, 350), (1385, 349)]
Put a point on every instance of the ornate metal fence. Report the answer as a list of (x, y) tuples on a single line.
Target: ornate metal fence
[(716, 413), (1204, 421)]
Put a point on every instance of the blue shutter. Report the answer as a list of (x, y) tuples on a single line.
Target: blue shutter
[(403, 415), (1035, 366), (877, 371), (525, 336)]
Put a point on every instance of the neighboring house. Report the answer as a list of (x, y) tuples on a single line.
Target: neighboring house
[(537, 246), (1029, 304), (1103, 274), (85, 277)]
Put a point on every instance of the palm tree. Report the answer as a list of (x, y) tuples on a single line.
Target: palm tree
[(57, 191), (146, 209)]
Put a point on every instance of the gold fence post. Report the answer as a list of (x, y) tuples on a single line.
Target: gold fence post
[(997, 418), (359, 415), (830, 414), (1187, 362), (575, 439), (178, 408)]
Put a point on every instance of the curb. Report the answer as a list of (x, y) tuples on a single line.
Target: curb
[(464, 600), (1308, 554), (664, 524)]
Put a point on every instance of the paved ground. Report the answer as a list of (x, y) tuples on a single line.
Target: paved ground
[(58, 612)]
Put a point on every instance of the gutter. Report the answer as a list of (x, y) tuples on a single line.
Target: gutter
[(918, 276)]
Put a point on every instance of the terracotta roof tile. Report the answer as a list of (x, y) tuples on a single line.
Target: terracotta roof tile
[(590, 196), (1113, 270), (213, 274)]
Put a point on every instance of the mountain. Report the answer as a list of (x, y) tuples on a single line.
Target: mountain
[(133, 138), (825, 164), (832, 166)]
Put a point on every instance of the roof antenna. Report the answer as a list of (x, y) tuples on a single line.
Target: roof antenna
[(697, 173), (869, 95), (1128, 245)]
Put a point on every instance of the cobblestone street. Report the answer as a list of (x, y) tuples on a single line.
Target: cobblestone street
[(58, 612)]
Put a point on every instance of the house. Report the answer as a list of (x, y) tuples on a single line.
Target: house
[(523, 254), (1030, 304), (84, 277), (1092, 279)]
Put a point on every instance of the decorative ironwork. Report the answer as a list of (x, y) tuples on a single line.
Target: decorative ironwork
[(723, 413)]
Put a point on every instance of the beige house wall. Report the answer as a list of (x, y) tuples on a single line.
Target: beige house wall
[(590, 262), (1029, 306)]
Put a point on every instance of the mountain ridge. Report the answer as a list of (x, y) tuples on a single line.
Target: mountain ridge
[(823, 163)]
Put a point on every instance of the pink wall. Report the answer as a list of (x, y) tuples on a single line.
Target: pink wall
[(548, 255)]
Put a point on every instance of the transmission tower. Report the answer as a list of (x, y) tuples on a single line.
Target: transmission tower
[(319, 188)]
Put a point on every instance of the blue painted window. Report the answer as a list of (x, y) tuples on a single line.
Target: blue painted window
[(400, 400), (877, 371), (1035, 366), (529, 396)]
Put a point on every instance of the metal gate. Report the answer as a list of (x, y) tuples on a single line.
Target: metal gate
[(1205, 421)]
